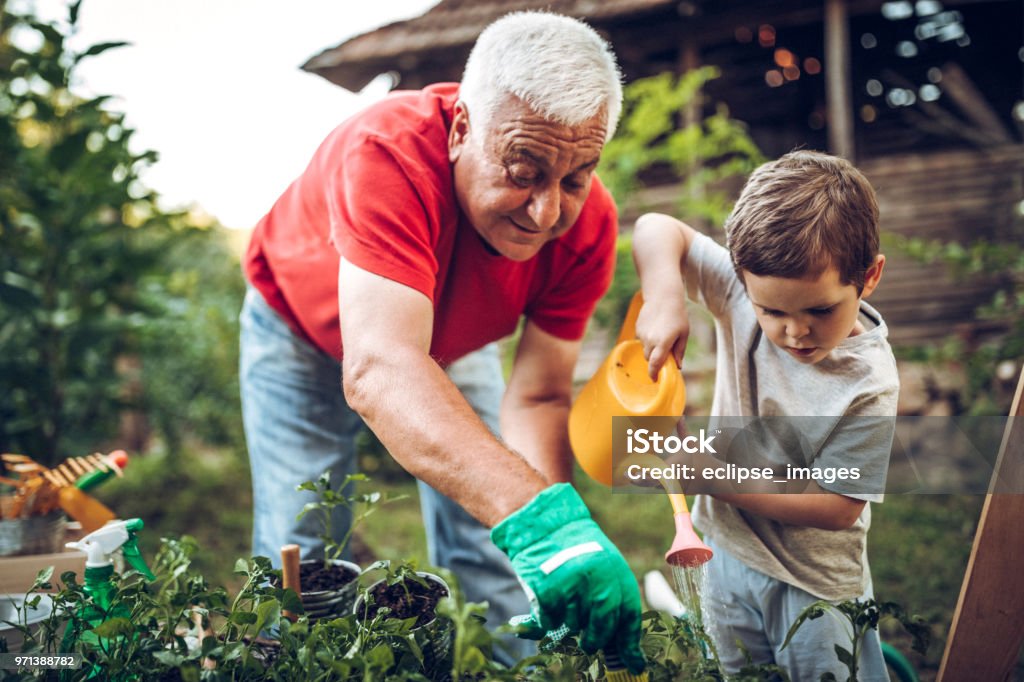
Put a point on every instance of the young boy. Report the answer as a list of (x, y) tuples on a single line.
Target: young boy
[(794, 339)]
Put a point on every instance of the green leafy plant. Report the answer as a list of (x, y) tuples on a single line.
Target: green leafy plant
[(89, 282), (862, 616), (656, 134), (705, 158), (357, 506), (161, 639), (188, 355)]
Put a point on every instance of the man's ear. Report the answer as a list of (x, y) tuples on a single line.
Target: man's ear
[(459, 132), (873, 276)]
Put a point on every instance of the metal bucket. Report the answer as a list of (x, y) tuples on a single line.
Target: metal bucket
[(326, 604), (33, 535), (434, 638)]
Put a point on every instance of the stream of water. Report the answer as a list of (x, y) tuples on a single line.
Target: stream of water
[(691, 584)]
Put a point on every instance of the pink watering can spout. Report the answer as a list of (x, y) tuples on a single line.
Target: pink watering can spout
[(687, 549)]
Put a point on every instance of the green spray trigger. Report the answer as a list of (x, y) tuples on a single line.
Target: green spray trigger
[(101, 544), (130, 549)]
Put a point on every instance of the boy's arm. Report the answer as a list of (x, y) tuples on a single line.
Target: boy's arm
[(816, 507), (813, 506), (660, 246)]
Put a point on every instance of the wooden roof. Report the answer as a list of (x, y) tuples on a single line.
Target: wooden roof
[(446, 32), (434, 46)]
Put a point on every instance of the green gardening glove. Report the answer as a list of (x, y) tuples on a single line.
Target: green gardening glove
[(573, 575)]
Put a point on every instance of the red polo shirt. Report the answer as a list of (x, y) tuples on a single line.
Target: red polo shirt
[(379, 191)]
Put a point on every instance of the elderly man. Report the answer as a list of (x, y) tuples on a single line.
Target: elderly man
[(423, 229)]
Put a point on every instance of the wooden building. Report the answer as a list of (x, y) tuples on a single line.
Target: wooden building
[(927, 97)]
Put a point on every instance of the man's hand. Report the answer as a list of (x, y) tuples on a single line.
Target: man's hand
[(573, 574)]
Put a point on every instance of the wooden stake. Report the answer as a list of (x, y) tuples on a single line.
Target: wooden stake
[(290, 573), (201, 634)]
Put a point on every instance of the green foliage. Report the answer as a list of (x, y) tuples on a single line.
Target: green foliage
[(161, 639), (708, 157), (861, 616), (982, 393), (611, 309), (189, 353), (93, 274), (702, 154), (357, 507), (942, 528), (78, 234)]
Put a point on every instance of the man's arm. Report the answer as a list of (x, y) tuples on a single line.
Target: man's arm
[(391, 381), (535, 408)]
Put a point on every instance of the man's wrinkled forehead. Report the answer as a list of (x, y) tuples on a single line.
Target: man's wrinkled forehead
[(517, 130)]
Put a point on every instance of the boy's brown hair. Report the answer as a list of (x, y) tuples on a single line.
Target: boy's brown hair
[(802, 213)]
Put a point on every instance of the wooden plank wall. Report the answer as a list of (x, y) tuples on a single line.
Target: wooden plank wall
[(960, 195)]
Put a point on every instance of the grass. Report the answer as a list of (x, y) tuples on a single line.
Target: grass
[(918, 544), (918, 547), (202, 492)]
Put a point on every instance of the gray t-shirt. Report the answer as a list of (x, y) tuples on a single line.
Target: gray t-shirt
[(851, 396)]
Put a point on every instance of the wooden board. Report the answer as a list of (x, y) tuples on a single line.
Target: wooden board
[(988, 625)]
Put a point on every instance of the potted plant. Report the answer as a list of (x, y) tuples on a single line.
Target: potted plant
[(408, 626), (404, 606), (329, 585)]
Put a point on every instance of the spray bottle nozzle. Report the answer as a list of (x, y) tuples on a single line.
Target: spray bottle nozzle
[(116, 535)]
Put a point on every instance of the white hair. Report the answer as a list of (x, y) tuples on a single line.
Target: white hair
[(557, 65)]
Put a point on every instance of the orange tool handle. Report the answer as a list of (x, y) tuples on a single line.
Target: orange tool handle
[(84, 508)]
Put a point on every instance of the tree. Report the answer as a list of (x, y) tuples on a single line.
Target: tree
[(83, 248)]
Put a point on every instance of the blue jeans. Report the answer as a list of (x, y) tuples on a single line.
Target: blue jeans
[(298, 425), (744, 604)]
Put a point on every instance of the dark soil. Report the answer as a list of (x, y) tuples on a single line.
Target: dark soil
[(406, 600), (314, 576)]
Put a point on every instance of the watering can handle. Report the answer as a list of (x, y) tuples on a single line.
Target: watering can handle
[(628, 330)]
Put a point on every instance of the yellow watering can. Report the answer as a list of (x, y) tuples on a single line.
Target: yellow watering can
[(622, 388)]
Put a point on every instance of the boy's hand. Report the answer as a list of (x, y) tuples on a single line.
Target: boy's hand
[(663, 327)]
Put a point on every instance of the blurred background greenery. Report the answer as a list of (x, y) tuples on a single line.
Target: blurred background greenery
[(118, 328)]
